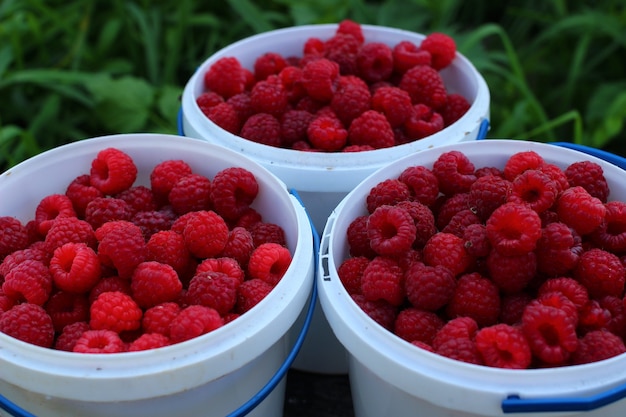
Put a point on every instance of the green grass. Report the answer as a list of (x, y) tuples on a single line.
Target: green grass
[(72, 70)]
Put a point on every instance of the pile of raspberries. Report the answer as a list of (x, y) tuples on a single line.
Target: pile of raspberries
[(517, 267), (342, 94), (111, 266)]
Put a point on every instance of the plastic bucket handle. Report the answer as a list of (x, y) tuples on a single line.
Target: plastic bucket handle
[(515, 404)]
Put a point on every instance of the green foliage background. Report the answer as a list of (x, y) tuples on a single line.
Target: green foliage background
[(76, 69)]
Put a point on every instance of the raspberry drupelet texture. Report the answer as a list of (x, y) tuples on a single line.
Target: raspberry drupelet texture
[(66, 308), (383, 280), (75, 267), (114, 311), (343, 49), (327, 133), (356, 235), (154, 283), (590, 176), (413, 324), (112, 171), (69, 230), (422, 122), (391, 230), (601, 272), (99, 341), (269, 96), (205, 234), (381, 311), (351, 99), (239, 245), (350, 272), (534, 188), (611, 234), (269, 63), (425, 85), (294, 125), (407, 55), (511, 273), (214, 289), (225, 77), (456, 106), (191, 193), (262, 128), (423, 219), (228, 266), (250, 293), (29, 323), (447, 250), (148, 341), (580, 210), (165, 174), (121, 245), (70, 334), (423, 184), (429, 287), (269, 262), (106, 209), (503, 346), (375, 62), (394, 103), (441, 47), (455, 172), (81, 192), (513, 229), (139, 198), (225, 115), (597, 345), (520, 162), (558, 250), (50, 208), (371, 128), (13, 236), (319, 78), (477, 297), (29, 281), (488, 193), (387, 192)]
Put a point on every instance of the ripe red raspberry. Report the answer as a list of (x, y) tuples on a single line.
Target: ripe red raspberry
[(356, 236), (422, 122), (350, 27), (447, 250), (169, 247), (488, 193), (151, 222), (387, 192), (513, 229), (107, 284), (351, 99), (264, 232), (226, 77), (569, 287), (503, 346), (442, 48), (70, 334), (590, 176), (291, 79), (350, 272), (611, 234), (121, 246), (423, 184), (319, 78), (601, 272), (550, 331), (269, 262), (460, 221), (375, 62), (511, 273), (225, 116), (69, 230), (425, 85), (579, 210), (65, 308), (455, 172), (391, 230), (29, 323), (456, 106), (558, 300), (407, 55), (534, 188), (597, 345), (13, 236), (99, 341), (381, 311), (429, 287), (343, 49), (205, 234), (139, 198), (112, 171), (456, 328), (228, 266), (241, 104), (81, 192), (593, 316), (190, 193), (371, 128), (558, 249), (520, 162), (106, 209), (476, 240), (512, 307), (327, 133), (148, 341), (6, 302), (50, 208), (424, 221), (164, 175), (262, 128), (475, 296), (460, 349), (556, 174), (383, 280), (213, 289), (154, 283), (250, 293), (232, 192), (413, 324), (269, 63), (157, 319), (447, 206), (269, 96), (294, 125), (208, 99), (239, 246), (75, 267), (115, 311), (394, 103), (615, 306), (29, 281)]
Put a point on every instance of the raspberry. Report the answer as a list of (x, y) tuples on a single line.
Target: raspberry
[(381, 311), (29, 323), (476, 240), (294, 125), (556, 174), (357, 148), (503, 346), (165, 174), (75, 267), (319, 78), (205, 234), (350, 272), (351, 99), (139, 198), (99, 341), (343, 49), (50, 208), (425, 85), (154, 221), (520, 162), (456, 106), (534, 188), (429, 287), (239, 246), (550, 331), (597, 345), (512, 307), (228, 266), (477, 297), (115, 311), (6, 302), (69, 230), (168, 247), (122, 247), (233, 190), (558, 249), (513, 229), (615, 307), (157, 319), (407, 55), (592, 316), (391, 230), (250, 293), (112, 171), (590, 176), (572, 289), (371, 128), (154, 283), (442, 49), (327, 133), (460, 221), (511, 273), (413, 324), (460, 349), (269, 96), (262, 128), (423, 184), (106, 209), (456, 328), (387, 192), (383, 279), (270, 63), (423, 345), (558, 300), (225, 116), (67, 339), (29, 281), (423, 219), (455, 172), (611, 234), (422, 122), (225, 77), (269, 262), (190, 193), (601, 272), (446, 207), (263, 232), (66, 308), (579, 210), (351, 27), (81, 192), (208, 99), (447, 250), (107, 284), (13, 236), (148, 341), (242, 106), (291, 79), (375, 62), (356, 236), (213, 289)]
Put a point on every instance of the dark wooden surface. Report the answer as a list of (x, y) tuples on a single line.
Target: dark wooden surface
[(317, 395)]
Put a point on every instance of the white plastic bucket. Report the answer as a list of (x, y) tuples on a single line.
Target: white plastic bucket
[(389, 376), (323, 179), (217, 374)]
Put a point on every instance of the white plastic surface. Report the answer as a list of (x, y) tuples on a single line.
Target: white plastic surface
[(391, 377), (210, 375)]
